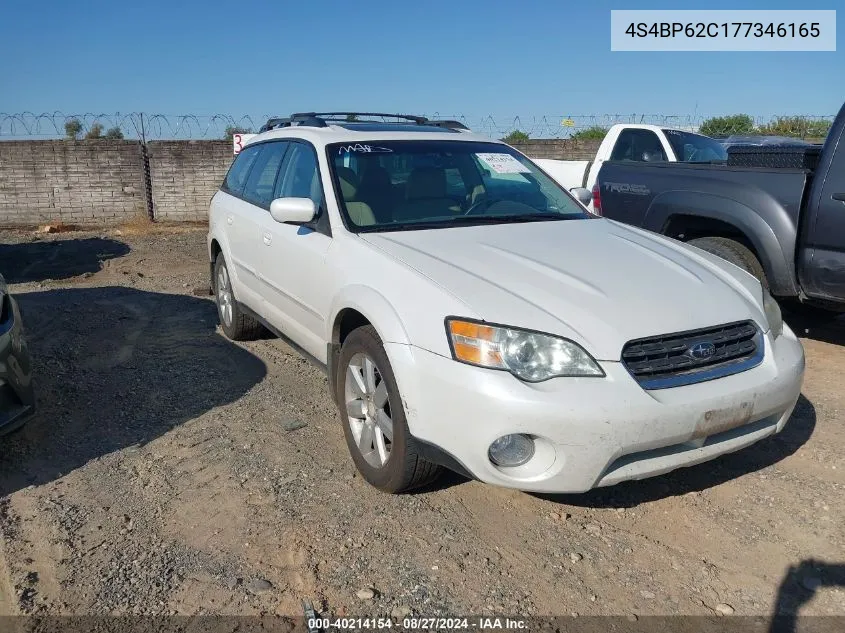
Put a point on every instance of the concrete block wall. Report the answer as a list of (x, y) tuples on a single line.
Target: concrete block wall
[(185, 175), (74, 182), (562, 149)]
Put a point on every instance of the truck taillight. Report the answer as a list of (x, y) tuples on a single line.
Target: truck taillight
[(596, 199)]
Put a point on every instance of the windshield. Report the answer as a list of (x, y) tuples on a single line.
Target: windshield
[(405, 185), (695, 148)]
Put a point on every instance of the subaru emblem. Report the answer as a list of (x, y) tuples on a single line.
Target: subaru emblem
[(702, 350)]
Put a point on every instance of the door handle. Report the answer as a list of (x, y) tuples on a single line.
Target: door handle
[(228, 219), (838, 196), (267, 239)]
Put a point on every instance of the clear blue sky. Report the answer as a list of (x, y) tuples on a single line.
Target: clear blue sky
[(462, 57)]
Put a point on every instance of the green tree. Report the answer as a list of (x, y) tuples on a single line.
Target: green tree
[(351, 117), (95, 131), (516, 137), (592, 133), (114, 133), (235, 129), (796, 126), (727, 125), (73, 128)]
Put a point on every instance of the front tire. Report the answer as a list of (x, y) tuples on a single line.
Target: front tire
[(373, 417), (733, 252), (236, 325)]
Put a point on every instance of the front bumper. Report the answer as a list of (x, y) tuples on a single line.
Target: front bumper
[(592, 432), (17, 398)]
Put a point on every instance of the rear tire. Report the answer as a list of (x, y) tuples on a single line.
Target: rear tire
[(369, 401), (235, 324), (733, 252)]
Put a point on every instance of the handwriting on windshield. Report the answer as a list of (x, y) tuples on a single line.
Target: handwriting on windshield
[(367, 149)]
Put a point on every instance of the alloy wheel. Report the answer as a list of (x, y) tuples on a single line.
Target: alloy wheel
[(368, 410)]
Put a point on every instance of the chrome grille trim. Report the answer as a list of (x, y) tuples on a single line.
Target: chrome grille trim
[(662, 362)]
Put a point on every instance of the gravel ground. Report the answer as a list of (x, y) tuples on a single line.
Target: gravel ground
[(161, 476)]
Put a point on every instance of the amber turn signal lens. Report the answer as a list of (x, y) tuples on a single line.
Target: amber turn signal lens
[(475, 343)]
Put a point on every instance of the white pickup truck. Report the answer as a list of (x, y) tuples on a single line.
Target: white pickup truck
[(633, 142)]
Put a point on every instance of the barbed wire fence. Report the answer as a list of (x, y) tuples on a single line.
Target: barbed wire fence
[(146, 127)]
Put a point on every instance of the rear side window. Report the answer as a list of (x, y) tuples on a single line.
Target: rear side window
[(638, 145), (238, 172), (262, 178), (695, 148)]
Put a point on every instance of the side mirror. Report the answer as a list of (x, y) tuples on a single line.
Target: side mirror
[(293, 210), (584, 196)]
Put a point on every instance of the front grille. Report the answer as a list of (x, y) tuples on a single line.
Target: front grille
[(659, 362)]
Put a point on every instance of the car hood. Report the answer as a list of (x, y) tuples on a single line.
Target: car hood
[(597, 282)]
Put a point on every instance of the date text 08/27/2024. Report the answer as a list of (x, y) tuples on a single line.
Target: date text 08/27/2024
[(419, 623)]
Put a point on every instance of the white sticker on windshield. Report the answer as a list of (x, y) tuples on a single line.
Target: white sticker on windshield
[(503, 164)]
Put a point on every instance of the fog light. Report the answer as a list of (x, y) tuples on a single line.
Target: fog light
[(511, 450)]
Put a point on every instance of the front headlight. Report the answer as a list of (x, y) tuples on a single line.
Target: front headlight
[(773, 314), (530, 356)]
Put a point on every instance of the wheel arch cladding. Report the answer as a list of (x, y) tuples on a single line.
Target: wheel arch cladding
[(353, 307), (764, 229), (223, 249), (215, 248), (356, 302)]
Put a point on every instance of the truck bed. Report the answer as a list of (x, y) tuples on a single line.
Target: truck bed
[(629, 189)]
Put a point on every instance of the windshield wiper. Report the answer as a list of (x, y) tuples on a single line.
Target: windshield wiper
[(469, 220), (537, 217)]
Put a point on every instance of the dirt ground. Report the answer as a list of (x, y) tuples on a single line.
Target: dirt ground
[(165, 474)]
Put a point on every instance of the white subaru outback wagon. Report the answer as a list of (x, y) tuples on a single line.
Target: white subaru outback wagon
[(472, 314)]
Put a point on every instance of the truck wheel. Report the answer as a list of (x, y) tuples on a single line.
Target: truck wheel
[(373, 417), (733, 252), (236, 325)]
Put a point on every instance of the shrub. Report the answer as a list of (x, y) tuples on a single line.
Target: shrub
[(592, 133), (235, 129), (515, 137), (727, 125), (95, 131), (796, 126), (73, 128)]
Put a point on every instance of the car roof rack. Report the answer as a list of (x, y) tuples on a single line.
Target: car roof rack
[(345, 116), (322, 119), (274, 123), (447, 123)]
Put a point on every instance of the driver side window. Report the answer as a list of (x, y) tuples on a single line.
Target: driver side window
[(300, 175)]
